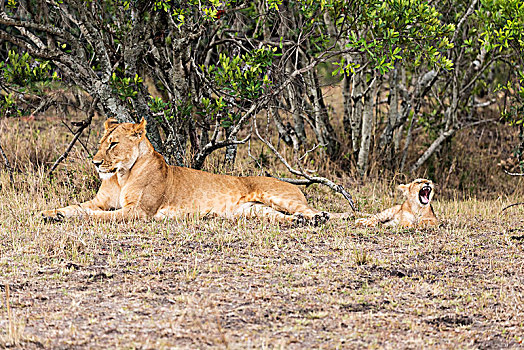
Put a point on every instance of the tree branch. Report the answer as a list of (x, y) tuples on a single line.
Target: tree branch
[(432, 148), (214, 145), (463, 19), (84, 124), (442, 137), (5, 20)]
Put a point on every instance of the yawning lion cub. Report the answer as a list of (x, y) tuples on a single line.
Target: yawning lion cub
[(415, 211), (137, 183)]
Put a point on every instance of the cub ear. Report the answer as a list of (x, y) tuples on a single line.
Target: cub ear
[(110, 123), (404, 188), (139, 129)]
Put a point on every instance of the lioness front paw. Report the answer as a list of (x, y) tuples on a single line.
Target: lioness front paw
[(299, 219), (52, 216)]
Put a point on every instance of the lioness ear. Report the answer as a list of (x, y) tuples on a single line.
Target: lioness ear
[(110, 123), (140, 129), (404, 188)]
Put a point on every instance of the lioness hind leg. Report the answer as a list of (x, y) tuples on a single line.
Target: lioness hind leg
[(260, 210), (283, 197), (294, 206), (300, 211)]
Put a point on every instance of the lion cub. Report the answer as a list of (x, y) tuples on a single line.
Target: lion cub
[(415, 211)]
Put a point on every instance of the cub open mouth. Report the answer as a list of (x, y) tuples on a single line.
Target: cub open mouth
[(423, 194)]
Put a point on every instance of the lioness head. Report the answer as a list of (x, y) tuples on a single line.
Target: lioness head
[(119, 147), (419, 191)]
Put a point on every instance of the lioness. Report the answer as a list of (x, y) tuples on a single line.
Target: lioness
[(138, 183), (415, 211)]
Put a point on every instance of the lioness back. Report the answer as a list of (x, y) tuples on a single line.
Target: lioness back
[(193, 190), (137, 183)]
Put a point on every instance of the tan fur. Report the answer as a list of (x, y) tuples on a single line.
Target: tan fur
[(137, 183), (411, 213)]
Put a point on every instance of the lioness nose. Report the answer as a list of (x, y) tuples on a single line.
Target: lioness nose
[(97, 162)]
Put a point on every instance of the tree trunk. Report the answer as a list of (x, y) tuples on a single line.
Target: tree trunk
[(385, 138), (323, 128), (367, 128), (356, 110), (297, 107), (231, 150)]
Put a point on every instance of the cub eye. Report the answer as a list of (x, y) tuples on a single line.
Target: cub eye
[(112, 144)]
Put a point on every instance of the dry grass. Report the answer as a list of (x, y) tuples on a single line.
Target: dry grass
[(248, 284)]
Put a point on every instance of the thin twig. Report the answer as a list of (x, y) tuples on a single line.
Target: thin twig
[(251, 155), (311, 150), (82, 125), (7, 164)]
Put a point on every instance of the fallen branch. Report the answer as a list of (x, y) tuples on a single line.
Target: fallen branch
[(511, 205), (81, 126), (514, 204), (513, 174), (308, 179), (321, 180)]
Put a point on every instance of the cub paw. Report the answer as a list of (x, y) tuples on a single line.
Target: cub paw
[(320, 218), (52, 216), (363, 222)]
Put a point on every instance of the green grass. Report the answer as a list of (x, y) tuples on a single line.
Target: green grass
[(241, 284)]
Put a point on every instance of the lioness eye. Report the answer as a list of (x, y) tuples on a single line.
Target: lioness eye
[(112, 144)]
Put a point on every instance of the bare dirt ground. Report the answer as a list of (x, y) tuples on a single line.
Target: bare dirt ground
[(248, 284)]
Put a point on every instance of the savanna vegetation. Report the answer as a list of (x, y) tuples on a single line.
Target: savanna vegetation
[(365, 94)]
